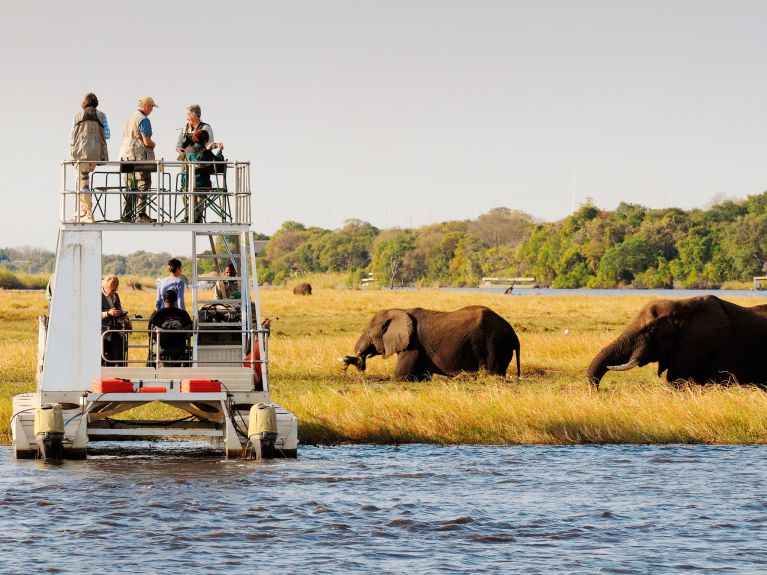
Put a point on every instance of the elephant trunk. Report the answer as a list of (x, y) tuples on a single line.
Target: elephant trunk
[(362, 350), (620, 355)]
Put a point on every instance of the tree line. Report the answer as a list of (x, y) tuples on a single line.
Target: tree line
[(629, 246)]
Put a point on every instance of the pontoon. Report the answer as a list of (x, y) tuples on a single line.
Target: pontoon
[(221, 380)]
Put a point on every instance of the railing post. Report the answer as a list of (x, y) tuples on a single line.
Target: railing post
[(63, 199), (190, 189), (237, 190), (160, 183)]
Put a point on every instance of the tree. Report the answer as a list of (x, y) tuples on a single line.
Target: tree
[(389, 253), (623, 262), (349, 248)]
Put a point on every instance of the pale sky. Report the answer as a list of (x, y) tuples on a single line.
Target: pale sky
[(400, 112)]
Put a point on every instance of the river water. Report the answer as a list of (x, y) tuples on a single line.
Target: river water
[(411, 509), (660, 293)]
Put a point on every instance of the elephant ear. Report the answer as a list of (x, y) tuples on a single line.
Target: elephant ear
[(396, 333), (703, 329)]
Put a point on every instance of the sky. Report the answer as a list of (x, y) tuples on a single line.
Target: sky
[(400, 113)]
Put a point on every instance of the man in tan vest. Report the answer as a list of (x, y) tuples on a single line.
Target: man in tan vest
[(137, 144), (90, 132)]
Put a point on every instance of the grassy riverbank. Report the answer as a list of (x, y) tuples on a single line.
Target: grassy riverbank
[(551, 404)]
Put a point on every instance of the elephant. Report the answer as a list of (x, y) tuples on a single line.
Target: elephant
[(702, 339), (429, 342), (303, 289)]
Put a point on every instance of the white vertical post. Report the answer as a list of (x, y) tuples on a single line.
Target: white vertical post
[(195, 316), (73, 346)]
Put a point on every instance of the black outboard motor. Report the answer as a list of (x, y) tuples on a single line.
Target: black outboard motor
[(49, 430)]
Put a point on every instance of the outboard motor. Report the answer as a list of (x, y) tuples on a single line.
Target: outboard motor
[(262, 431), (49, 430)]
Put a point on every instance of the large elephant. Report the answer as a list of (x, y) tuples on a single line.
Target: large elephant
[(431, 342), (702, 339)]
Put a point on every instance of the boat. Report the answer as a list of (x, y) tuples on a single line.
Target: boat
[(220, 380)]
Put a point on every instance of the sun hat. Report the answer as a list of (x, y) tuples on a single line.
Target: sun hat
[(147, 100)]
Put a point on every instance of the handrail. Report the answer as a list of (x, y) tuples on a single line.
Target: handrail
[(156, 331), (172, 198)]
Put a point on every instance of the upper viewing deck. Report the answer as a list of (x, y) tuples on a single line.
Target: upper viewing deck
[(202, 196)]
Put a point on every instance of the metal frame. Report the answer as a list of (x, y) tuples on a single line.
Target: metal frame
[(162, 199)]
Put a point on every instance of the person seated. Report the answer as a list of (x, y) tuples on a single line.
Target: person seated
[(228, 289), (113, 319), (173, 346), (203, 151)]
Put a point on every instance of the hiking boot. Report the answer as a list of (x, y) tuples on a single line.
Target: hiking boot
[(145, 219)]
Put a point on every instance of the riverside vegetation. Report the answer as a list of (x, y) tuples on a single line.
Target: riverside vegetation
[(552, 403), (722, 246)]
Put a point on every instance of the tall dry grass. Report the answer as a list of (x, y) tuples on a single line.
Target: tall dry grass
[(552, 402)]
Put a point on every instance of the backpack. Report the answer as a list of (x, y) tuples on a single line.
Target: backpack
[(88, 140)]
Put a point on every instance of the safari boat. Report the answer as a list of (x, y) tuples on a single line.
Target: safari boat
[(219, 378)]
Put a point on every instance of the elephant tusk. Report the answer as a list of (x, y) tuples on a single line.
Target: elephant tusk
[(625, 367)]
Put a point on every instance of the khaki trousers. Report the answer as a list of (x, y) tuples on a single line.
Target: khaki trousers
[(86, 201), (135, 204)]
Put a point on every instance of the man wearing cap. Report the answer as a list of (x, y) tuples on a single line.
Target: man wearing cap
[(137, 144), (193, 122)]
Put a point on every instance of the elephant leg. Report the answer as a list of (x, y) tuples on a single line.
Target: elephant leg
[(408, 365)]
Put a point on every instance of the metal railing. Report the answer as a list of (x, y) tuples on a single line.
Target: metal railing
[(172, 198), (154, 359)]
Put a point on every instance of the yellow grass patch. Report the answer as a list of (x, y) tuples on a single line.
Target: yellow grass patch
[(551, 404)]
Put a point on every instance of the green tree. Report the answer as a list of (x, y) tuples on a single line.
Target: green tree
[(389, 253)]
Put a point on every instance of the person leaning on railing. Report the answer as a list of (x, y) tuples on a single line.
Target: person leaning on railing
[(137, 144), (193, 123), (90, 132), (203, 151)]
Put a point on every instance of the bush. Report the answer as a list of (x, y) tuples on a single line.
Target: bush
[(10, 280)]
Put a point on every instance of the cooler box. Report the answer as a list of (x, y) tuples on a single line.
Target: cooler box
[(200, 386), (112, 386)]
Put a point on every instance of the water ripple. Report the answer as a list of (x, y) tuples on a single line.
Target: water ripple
[(415, 509)]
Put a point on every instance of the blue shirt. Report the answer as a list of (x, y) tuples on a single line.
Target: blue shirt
[(168, 283), (145, 127)]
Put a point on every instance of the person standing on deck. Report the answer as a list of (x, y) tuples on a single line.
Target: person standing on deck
[(89, 135), (193, 123), (171, 282), (137, 144)]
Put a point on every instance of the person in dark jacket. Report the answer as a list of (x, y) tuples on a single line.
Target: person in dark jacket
[(172, 346), (203, 151), (113, 317)]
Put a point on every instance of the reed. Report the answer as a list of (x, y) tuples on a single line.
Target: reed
[(551, 404)]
